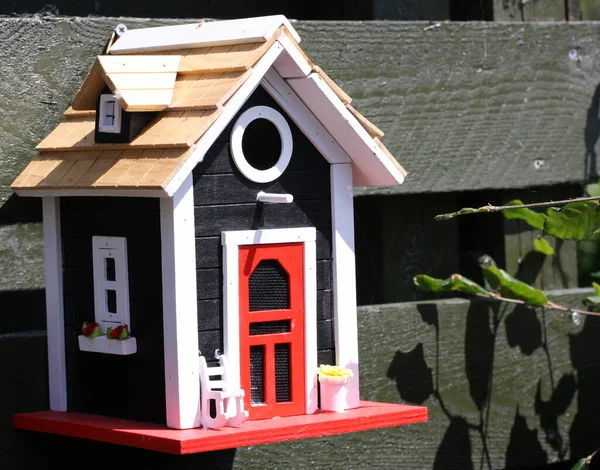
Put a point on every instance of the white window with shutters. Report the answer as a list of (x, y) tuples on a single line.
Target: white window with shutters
[(109, 114), (111, 281)]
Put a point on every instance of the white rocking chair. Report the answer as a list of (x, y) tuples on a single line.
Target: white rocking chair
[(229, 404)]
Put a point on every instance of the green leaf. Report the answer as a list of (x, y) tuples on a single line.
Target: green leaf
[(534, 219), (575, 221), (512, 288), (581, 464), (463, 211), (593, 189), (596, 287), (592, 302), (543, 246), (454, 283)]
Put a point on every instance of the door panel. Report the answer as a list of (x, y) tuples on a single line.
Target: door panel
[(272, 329)]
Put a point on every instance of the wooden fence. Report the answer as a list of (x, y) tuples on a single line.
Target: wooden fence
[(474, 112)]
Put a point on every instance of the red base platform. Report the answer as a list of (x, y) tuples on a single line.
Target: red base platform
[(370, 415)]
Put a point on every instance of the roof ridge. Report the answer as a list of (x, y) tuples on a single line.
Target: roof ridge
[(210, 33)]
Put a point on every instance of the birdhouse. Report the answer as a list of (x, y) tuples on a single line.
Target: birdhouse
[(199, 244)]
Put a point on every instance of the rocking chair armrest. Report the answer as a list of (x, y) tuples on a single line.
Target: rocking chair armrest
[(214, 395), (234, 393)]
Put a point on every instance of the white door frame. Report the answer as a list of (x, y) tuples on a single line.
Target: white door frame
[(231, 241)]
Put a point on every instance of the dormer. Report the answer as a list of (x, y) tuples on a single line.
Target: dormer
[(126, 92), (114, 125)]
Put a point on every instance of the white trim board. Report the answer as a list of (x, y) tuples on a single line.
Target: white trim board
[(229, 111), (212, 33), (306, 121), (55, 316), (180, 320), (373, 167), (292, 63), (231, 241), (344, 278), (116, 192)]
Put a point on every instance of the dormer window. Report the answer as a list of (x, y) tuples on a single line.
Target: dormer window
[(114, 125), (109, 119)]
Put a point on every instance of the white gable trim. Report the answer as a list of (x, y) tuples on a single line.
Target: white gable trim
[(213, 33), (228, 113), (306, 121), (231, 241), (292, 63), (372, 166)]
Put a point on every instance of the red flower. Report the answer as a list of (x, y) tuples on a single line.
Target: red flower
[(120, 332), (89, 329), (115, 332)]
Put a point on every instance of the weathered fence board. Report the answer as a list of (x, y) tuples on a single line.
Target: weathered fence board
[(510, 389), (465, 106), (451, 357)]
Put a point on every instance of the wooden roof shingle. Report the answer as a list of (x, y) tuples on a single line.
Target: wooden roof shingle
[(188, 84)]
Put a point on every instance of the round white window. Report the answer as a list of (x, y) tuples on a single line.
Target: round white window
[(261, 144)]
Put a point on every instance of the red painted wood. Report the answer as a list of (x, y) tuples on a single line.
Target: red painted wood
[(291, 258), (369, 415)]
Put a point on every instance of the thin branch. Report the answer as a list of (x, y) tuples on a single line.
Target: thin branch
[(544, 204), (551, 305), (491, 208)]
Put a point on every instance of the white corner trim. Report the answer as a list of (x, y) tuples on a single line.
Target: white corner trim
[(231, 241), (373, 167), (285, 134), (101, 344), (344, 278), (229, 111), (55, 317), (306, 121), (292, 63), (210, 33), (180, 320)]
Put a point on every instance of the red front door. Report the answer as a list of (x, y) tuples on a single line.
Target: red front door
[(272, 329)]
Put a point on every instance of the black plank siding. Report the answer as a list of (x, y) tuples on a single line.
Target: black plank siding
[(225, 200), (130, 387)]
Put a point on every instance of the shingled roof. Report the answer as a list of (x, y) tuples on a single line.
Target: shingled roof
[(196, 77)]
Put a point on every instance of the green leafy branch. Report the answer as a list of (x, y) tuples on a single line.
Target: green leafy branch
[(504, 288), (577, 220)]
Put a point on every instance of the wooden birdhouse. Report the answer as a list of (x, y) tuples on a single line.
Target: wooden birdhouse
[(198, 218)]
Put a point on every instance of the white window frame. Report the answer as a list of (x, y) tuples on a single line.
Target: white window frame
[(116, 248), (116, 127), (231, 241), (287, 145)]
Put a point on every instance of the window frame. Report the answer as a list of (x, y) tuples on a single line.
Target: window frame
[(116, 248), (116, 126), (285, 134)]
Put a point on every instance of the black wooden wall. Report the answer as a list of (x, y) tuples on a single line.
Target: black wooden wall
[(225, 200), (130, 387)]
